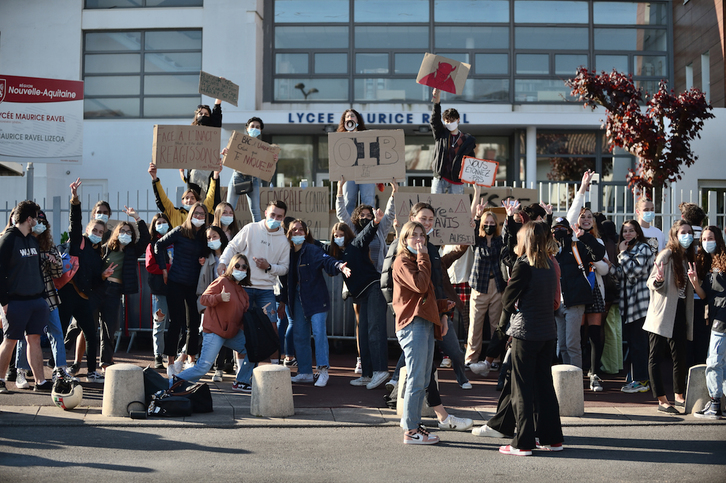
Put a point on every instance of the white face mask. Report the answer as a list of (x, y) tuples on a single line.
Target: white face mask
[(709, 246), (197, 222), (452, 126), (162, 228), (124, 239), (226, 220), (102, 217), (339, 240), (239, 275), (214, 244)]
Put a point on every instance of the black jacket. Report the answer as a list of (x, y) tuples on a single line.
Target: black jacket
[(576, 290), (21, 275), (90, 263), (529, 301), (440, 164), (132, 253), (357, 255), (187, 252)]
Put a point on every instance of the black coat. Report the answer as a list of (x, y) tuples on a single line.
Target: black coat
[(187, 251), (440, 164), (132, 253), (576, 290)]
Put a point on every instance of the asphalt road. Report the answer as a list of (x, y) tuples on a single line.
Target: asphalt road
[(664, 453)]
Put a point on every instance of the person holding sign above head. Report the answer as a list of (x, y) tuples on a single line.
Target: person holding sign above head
[(451, 147), (189, 198), (352, 121), (254, 128), (195, 179)]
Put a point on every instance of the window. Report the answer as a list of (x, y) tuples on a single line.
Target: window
[(96, 4), (706, 75), (153, 73)]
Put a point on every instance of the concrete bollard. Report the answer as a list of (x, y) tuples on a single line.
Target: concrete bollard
[(272, 392), (696, 390), (124, 384), (567, 380), (426, 411)]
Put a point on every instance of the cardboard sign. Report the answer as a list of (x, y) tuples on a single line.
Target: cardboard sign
[(452, 223), (481, 172), (223, 89), (251, 156), (312, 205), (367, 156), (186, 147), (444, 74)]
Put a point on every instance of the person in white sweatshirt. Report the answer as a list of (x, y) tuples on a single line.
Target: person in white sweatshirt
[(263, 243)]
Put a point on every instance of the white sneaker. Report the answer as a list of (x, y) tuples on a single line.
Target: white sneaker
[(446, 362), (358, 367), (20, 381), (322, 377), (379, 377), (218, 376), (304, 378), (488, 432), (452, 423), (466, 385), (361, 381), (188, 365), (481, 368), (595, 383), (94, 377)]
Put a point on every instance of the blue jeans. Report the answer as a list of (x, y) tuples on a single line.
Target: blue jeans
[(372, 333), (716, 365), (211, 345), (253, 198), (440, 185), (285, 331), (301, 333), (350, 195), (261, 297), (57, 347), (158, 302), (417, 342)]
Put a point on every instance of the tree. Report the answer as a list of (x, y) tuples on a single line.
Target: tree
[(659, 134)]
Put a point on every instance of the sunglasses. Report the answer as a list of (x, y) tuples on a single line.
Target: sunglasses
[(239, 266), (124, 232)]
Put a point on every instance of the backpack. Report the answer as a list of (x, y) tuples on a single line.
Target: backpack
[(70, 264), (261, 339), (387, 272)]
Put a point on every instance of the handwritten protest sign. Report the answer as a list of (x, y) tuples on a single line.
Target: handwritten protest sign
[(223, 89), (312, 205), (481, 172), (367, 156), (187, 147), (251, 156), (452, 219), (445, 74)]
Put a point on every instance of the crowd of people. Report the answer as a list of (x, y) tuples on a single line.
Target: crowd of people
[(553, 290)]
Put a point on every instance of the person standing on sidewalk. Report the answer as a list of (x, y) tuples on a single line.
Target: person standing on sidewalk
[(21, 290)]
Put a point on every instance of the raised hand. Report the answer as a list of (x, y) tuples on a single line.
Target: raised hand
[(345, 270), (436, 96), (421, 247), (546, 206), (226, 296), (692, 274), (340, 185), (577, 231), (131, 212), (658, 271), (377, 216), (152, 171), (511, 206), (394, 186), (586, 178), (74, 187)]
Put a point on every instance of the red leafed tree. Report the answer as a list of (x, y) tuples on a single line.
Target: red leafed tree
[(659, 133)]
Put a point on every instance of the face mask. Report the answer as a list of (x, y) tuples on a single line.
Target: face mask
[(239, 275), (298, 239), (187, 207), (561, 235), (490, 229), (363, 222), (350, 125), (412, 250), (162, 228), (124, 239), (709, 246), (197, 222), (253, 132), (95, 239), (685, 240), (226, 220), (452, 126), (214, 244), (204, 120), (648, 216), (339, 240), (272, 224), (40, 228), (102, 217)]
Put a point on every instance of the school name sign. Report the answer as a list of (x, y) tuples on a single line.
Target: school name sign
[(41, 120)]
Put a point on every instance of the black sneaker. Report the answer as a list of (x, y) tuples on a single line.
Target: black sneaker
[(158, 362), (3, 388), (45, 387), (11, 375), (712, 410), (73, 369), (242, 387)]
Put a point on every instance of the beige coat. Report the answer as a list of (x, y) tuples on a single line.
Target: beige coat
[(664, 300)]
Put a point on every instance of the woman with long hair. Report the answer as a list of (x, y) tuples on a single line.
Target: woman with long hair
[(528, 306), (225, 219), (190, 241), (635, 261), (157, 284), (669, 320)]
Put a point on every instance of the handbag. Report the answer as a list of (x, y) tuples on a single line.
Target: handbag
[(261, 339), (197, 392), (170, 406), (242, 184)]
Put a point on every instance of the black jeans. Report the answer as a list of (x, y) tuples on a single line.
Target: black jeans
[(637, 349), (533, 393), (183, 315), (73, 305), (677, 345)]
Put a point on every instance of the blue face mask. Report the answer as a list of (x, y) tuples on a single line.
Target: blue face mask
[(40, 228), (339, 240), (162, 228), (298, 239), (124, 239), (685, 239), (226, 220), (187, 207), (253, 132), (411, 249), (648, 216), (239, 275), (272, 224), (709, 246), (214, 244), (95, 239), (102, 217)]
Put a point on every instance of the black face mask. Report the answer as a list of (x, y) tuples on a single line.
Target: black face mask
[(561, 236), (490, 229), (204, 120), (363, 222)]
